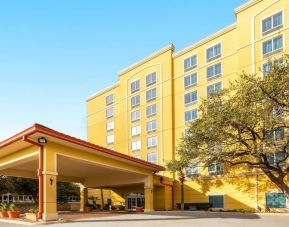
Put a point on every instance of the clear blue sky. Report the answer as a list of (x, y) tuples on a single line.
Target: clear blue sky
[(55, 53)]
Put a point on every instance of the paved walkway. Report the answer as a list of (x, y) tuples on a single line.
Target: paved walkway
[(179, 219)]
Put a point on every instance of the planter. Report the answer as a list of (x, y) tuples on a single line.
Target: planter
[(88, 209), (14, 214), (4, 214), (138, 209), (31, 216)]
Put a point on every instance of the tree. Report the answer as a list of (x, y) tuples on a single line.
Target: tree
[(245, 125)]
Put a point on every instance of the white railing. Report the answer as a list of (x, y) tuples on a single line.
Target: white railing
[(9, 198)]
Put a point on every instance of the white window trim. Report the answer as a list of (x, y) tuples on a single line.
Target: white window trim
[(148, 100), (192, 68), (108, 104), (149, 84), (207, 95), (187, 122), (136, 141), (109, 129), (151, 115), (153, 130), (192, 102), (152, 145), (108, 117), (110, 136), (271, 31), (273, 52), (192, 85), (213, 59), (134, 97), (138, 133), (135, 119), (133, 92), (217, 75), (157, 155)]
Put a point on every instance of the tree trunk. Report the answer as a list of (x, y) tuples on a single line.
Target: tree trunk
[(182, 196)]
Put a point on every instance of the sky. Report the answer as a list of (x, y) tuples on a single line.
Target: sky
[(56, 53)]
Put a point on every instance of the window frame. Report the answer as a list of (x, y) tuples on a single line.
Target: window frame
[(107, 110), (214, 70), (274, 207), (137, 142), (192, 101), (153, 145), (152, 82), (136, 97), (109, 124), (208, 95), (110, 141), (151, 91), (216, 172), (191, 67), (136, 90), (134, 120), (190, 111), (136, 132), (273, 51), (109, 102), (223, 203), (191, 84), (151, 107), (153, 153), (154, 129), (215, 56), (272, 29)]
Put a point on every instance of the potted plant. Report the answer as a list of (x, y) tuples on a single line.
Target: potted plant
[(13, 213), (32, 214), (138, 209), (4, 208)]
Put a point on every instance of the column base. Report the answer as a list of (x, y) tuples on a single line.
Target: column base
[(148, 210), (50, 216)]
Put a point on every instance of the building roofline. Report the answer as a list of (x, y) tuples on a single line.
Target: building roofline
[(146, 59), (246, 6), (205, 40), (102, 91), (37, 128)]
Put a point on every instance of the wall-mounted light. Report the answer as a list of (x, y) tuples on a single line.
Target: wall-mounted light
[(42, 140), (51, 180)]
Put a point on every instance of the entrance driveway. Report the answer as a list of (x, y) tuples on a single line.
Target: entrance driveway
[(177, 219)]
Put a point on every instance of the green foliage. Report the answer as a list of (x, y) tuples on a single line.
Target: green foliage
[(12, 207), (33, 210), (64, 190), (4, 206)]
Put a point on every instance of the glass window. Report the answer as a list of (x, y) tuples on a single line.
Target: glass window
[(273, 45), (110, 125), (214, 52), (190, 62), (134, 86), (267, 67), (152, 157), (214, 71), (109, 99), (151, 78), (151, 94), (135, 115), (136, 130), (152, 141), (271, 23), (109, 112), (216, 168), (135, 101), (136, 145), (275, 200), (110, 139), (191, 115), (192, 170), (191, 97), (191, 80), (151, 126), (277, 157), (214, 88), (216, 201), (276, 135), (151, 110)]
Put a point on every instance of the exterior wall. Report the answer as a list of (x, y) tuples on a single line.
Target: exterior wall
[(241, 52)]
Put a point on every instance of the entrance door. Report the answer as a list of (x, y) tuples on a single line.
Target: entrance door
[(135, 200)]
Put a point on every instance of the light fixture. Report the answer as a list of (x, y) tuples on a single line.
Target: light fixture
[(42, 140)]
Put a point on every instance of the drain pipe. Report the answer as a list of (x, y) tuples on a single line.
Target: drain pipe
[(40, 175)]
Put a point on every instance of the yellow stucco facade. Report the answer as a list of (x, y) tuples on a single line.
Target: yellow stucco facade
[(144, 114)]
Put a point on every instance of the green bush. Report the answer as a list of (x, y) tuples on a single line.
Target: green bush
[(4, 206)]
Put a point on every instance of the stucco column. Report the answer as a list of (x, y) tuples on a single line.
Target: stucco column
[(149, 194), (83, 198)]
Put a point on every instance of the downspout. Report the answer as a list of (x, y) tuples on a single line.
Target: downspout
[(40, 175)]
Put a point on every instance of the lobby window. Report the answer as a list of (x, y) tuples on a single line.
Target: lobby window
[(214, 88), (151, 126), (135, 101), (272, 23), (109, 99), (191, 80), (134, 86), (151, 94), (110, 139), (275, 200), (151, 78), (192, 170), (216, 168), (273, 45), (136, 145), (216, 201), (214, 71), (152, 157), (191, 97), (109, 126), (191, 115), (109, 113), (136, 130), (135, 115), (190, 63), (214, 52), (152, 142), (151, 110)]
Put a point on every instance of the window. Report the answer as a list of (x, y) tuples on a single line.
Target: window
[(136, 145), (109, 113), (191, 97), (275, 200), (151, 110), (272, 23), (191, 115), (192, 170), (151, 94), (152, 157), (214, 52), (110, 139), (214, 88), (135, 115), (110, 125), (216, 201), (191, 80), (214, 71), (190, 63), (135, 101), (278, 112), (151, 78), (152, 126), (268, 66), (277, 157), (136, 130), (152, 142), (134, 86), (273, 45), (276, 135), (216, 168), (109, 99)]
